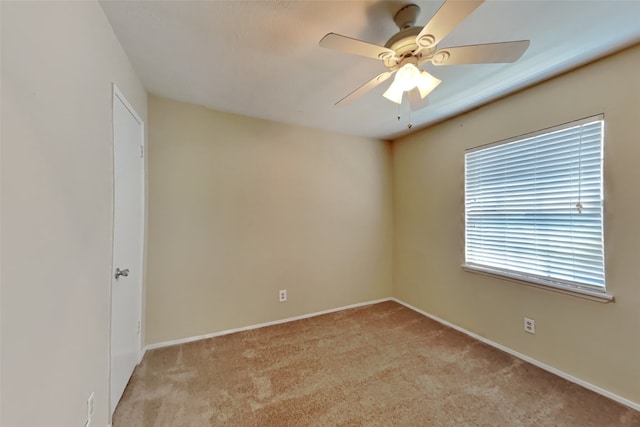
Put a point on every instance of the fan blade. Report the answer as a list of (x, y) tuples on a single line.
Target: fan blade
[(356, 47), (366, 87), (491, 53), (416, 101), (450, 14)]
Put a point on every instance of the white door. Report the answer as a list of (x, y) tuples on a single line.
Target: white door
[(128, 232)]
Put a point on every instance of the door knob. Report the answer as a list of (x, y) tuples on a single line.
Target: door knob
[(124, 272)]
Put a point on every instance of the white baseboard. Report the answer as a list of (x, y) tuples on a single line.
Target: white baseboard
[(548, 368), (259, 325)]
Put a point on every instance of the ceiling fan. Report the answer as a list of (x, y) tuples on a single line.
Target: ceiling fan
[(411, 47)]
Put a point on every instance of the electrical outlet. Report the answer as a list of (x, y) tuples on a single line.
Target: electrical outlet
[(282, 295), (90, 408), (529, 325)]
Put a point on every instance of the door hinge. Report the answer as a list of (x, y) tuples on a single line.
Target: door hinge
[(142, 151), (139, 327)]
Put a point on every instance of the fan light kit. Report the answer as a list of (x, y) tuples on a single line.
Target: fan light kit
[(407, 78), (411, 47)]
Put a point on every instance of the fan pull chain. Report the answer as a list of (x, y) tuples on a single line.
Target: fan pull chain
[(409, 125)]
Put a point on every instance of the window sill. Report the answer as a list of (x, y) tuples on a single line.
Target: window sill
[(602, 297)]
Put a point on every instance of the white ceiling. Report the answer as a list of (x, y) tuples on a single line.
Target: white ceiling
[(262, 59)]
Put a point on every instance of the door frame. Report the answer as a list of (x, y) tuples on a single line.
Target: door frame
[(118, 95)]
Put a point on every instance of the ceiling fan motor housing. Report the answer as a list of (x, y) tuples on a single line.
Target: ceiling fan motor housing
[(404, 41), (407, 16)]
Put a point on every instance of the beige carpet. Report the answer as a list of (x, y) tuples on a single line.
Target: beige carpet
[(380, 365)]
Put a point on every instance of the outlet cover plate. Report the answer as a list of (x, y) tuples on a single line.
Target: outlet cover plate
[(529, 325), (282, 295)]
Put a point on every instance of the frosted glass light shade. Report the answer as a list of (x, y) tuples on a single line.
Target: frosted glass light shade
[(427, 83), (407, 77), (394, 93)]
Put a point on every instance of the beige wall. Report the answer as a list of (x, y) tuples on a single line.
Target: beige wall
[(240, 208), (58, 62), (596, 342)]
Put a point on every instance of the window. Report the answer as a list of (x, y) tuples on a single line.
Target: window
[(533, 208)]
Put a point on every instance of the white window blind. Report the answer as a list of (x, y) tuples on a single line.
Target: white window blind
[(533, 207)]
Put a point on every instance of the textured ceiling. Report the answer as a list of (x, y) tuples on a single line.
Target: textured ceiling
[(262, 59)]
